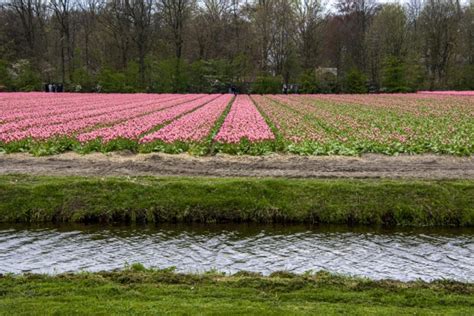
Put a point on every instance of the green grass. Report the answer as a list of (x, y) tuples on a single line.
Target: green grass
[(139, 291), (210, 200)]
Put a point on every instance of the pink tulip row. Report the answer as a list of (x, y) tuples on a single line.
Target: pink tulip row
[(13, 109), (358, 123), (78, 106), (41, 132), (133, 128), (458, 93), (25, 100), (37, 105), (244, 121), (194, 126), (79, 112)]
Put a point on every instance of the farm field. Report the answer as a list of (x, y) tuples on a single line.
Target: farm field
[(202, 124)]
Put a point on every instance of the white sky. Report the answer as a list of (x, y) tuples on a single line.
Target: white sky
[(330, 3)]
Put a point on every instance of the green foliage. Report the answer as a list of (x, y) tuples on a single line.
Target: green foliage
[(164, 76), (464, 78), (327, 83), (162, 73), (132, 75), (314, 82), (111, 81), (415, 73), (25, 78), (6, 82), (246, 147), (82, 80), (355, 82), (198, 80), (137, 267), (266, 84), (167, 76), (127, 81), (146, 291), (394, 78), (88, 199), (308, 83), (217, 75)]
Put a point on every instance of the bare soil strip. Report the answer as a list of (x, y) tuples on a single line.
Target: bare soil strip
[(128, 164)]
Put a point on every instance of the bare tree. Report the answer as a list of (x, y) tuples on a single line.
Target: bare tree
[(262, 18), (284, 36), (176, 14), (235, 40), (114, 17), (31, 14), (140, 15), (214, 20), (440, 24), (413, 11), (309, 15), (89, 11), (62, 13), (387, 38), (357, 16)]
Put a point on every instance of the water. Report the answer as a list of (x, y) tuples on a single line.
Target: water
[(375, 253)]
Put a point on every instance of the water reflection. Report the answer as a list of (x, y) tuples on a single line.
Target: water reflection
[(406, 254)]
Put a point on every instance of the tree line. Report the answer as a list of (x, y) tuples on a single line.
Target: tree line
[(257, 46)]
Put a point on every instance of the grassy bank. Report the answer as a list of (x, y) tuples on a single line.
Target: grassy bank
[(149, 199), (139, 291)]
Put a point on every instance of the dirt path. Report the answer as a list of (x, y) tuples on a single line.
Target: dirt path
[(116, 164)]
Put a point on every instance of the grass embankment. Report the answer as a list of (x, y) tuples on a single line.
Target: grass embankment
[(149, 292), (149, 199)]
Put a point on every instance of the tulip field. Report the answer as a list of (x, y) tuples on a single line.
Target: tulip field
[(47, 123)]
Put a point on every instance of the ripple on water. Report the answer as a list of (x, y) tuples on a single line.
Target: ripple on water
[(395, 255)]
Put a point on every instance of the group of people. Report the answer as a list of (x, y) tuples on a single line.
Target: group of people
[(233, 90), (291, 88), (53, 87)]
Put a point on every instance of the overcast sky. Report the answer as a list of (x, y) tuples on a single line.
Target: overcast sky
[(330, 3)]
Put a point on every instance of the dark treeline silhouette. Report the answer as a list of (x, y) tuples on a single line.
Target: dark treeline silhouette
[(257, 46)]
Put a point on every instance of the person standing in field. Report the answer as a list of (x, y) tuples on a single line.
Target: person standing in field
[(233, 89)]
